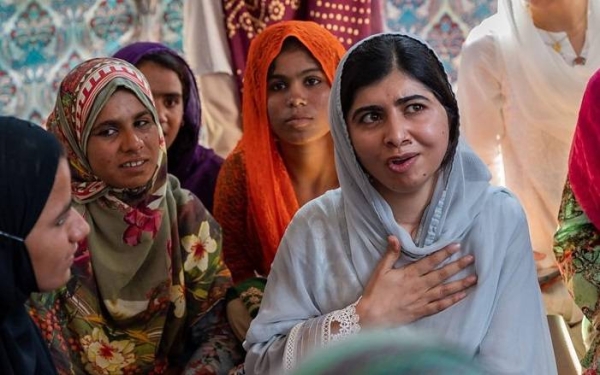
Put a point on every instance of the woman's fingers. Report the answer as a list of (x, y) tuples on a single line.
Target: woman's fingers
[(443, 291), (439, 305), (390, 257), (442, 274), (431, 262), (414, 291)]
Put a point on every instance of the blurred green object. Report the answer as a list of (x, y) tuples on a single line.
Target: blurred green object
[(389, 352)]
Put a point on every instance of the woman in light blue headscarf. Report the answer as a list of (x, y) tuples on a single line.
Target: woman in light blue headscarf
[(409, 187)]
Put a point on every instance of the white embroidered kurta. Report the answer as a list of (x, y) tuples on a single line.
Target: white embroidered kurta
[(519, 101)]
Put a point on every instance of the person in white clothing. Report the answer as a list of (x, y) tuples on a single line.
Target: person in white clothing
[(521, 79), (206, 49)]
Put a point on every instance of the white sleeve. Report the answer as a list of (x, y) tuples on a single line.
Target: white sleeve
[(480, 100), (282, 353), (291, 324)]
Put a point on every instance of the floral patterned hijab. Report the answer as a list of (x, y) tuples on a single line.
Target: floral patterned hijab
[(147, 268), (82, 95)]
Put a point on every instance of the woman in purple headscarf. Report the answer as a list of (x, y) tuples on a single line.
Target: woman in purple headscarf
[(178, 104)]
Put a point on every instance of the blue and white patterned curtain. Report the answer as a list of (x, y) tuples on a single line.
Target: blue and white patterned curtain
[(40, 41)]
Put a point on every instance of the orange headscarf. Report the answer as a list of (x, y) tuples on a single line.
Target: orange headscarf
[(271, 197)]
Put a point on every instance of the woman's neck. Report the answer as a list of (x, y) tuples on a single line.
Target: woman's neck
[(569, 16), (408, 209), (561, 15), (311, 167)]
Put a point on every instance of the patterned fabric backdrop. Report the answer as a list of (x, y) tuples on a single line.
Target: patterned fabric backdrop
[(40, 41)]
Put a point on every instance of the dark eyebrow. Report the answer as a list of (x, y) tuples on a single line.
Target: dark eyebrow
[(171, 94), (398, 102), (143, 113), (304, 72), (405, 99)]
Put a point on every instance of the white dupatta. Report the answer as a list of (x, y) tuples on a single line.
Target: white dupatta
[(528, 73)]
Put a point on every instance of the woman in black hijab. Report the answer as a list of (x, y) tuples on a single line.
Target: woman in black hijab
[(38, 235)]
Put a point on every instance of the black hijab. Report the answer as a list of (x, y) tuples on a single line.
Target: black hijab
[(29, 159)]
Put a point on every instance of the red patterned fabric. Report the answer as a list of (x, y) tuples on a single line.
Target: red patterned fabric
[(584, 162), (349, 20)]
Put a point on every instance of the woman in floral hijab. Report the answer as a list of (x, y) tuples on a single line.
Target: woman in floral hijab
[(147, 290)]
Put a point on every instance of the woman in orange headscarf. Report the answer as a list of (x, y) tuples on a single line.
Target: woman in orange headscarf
[(285, 157)]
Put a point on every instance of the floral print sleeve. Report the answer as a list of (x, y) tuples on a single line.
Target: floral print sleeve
[(46, 313), (577, 250), (82, 341), (182, 326), (215, 348)]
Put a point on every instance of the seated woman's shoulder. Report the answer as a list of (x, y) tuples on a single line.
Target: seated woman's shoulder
[(482, 40), (232, 174), (188, 205), (235, 158), (319, 215), (504, 202), (327, 206), (318, 225)]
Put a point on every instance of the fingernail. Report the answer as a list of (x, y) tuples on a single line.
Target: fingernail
[(469, 258), (454, 248)]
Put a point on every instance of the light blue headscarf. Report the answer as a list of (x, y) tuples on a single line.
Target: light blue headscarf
[(369, 217)]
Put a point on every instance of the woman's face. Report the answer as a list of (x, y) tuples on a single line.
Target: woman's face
[(53, 239), (298, 98), (167, 91), (400, 133), (123, 147)]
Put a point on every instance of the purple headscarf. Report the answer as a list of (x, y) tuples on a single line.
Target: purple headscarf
[(196, 167)]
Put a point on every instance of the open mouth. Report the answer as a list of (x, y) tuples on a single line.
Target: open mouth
[(401, 159), (401, 163), (133, 164)]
